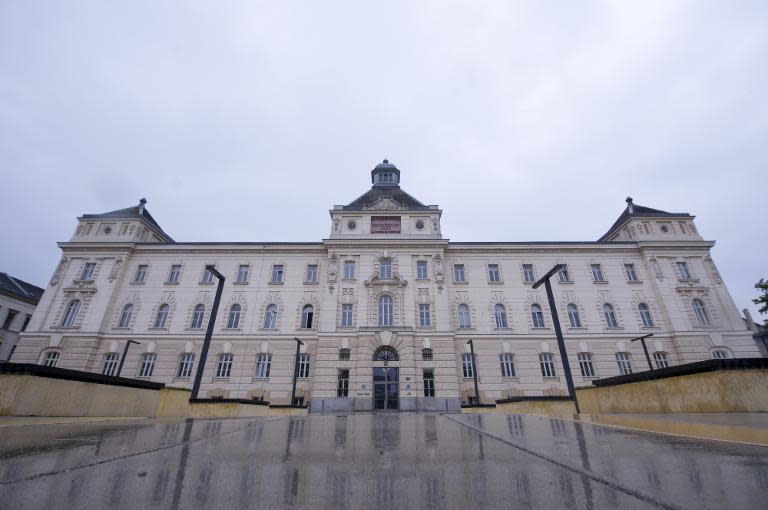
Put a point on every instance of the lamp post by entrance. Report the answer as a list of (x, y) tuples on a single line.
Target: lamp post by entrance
[(299, 343), (125, 353), (474, 371), (208, 332), (645, 348), (559, 333)]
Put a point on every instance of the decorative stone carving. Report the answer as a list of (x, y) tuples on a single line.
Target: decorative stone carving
[(436, 225), (333, 272), (336, 223), (437, 267), (59, 271), (656, 268), (713, 269), (384, 204), (115, 269)]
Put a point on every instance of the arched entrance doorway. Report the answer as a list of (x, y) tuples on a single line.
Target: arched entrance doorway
[(385, 380)]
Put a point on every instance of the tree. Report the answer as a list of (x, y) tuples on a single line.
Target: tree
[(762, 286)]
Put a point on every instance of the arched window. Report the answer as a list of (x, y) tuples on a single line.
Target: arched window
[(586, 365), (70, 316), (385, 310), (501, 316), (307, 316), (343, 354), (197, 317), (645, 315), (624, 360), (610, 316), (263, 363), (111, 360), (701, 312), (507, 361), (385, 353), (537, 316), (224, 365), (162, 316), (720, 354), (270, 317), (385, 269), (573, 315), (147, 364), (465, 319), (51, 358), (661, 359), (233, 322), (125, 316)]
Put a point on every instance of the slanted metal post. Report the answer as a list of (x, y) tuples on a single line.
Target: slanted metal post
[(559, 333), (208, 332), (125, 353), (299, 343), (645, 348), (474, 370)]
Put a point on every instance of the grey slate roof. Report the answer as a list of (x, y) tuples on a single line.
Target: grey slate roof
[(375, 194), (131, 213), (20, 289), (638, 211)]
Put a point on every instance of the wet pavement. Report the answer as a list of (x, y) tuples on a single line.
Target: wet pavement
[(372, 461)]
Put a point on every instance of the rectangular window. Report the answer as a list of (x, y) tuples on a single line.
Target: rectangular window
[(147, 365), (277, 273), (51, 358), (458, 273), (207, 276), (242, 273), (346, 315), (303, 368), (631, 273), (586, 365), (661, 359), (349, 269), (507, 364), (427, 354), (547, 362), (429, 383), (175, 273), (110, 363), (342, 387), (263, 363), (224, 365), (682, 268), (425, 320), (184, 370), (563, 274), (141, 273), (9, 319), (493, 273), (88, 270), (344, 354), (421, 269), (385, 269), (597, 273), (466, 365), (624, 362), (311, 273), (528, 274)]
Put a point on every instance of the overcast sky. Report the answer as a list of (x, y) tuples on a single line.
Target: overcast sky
[(247, 121)]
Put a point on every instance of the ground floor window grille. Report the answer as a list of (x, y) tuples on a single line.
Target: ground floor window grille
[(147, 364), (624, 362), (426, 354), (429, 383), (719, 354), (110, 363), (263, 363), (342, 389), (344, 354), (661, 359), (51, 358), (466, 365), (586, 365), (224, 365), (547, 362), (186, 361), (507, 364), (303, 368)]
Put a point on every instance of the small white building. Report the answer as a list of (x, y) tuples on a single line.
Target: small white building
[(17, 302), (385, 307)]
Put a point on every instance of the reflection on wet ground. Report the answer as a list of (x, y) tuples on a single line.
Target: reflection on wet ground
[(368, 460)]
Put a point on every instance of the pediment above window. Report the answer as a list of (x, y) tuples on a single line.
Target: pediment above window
[(376, 281), (385, 204)]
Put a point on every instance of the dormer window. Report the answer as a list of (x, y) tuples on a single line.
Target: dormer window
[(386, 177)]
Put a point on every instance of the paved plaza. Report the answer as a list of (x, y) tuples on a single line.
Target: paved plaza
[(377, 461)]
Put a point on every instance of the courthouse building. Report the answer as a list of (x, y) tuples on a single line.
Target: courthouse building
[(384, 306)]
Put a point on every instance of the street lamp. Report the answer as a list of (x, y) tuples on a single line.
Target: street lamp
[(558, 332), (208, 332), (474, 370), (299, 343), (125, 353), (645, 348)]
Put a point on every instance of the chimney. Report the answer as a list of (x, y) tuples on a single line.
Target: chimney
[(630, 205), (142, 202)]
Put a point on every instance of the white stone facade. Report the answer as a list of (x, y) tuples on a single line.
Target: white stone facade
[(17, 302), (652, 242)]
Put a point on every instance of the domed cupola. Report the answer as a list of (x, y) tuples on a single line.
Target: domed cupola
[(385, 174)]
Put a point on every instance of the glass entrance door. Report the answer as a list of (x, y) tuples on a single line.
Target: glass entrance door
[(385, 391)]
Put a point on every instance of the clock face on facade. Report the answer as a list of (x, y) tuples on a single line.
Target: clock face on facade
[(351, 224), (419, 225)]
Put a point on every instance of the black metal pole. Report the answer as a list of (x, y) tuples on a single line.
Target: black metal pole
[(474, 370), (645, 348), (559, 334), (125, 353), (299, 343), (208, 332)]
